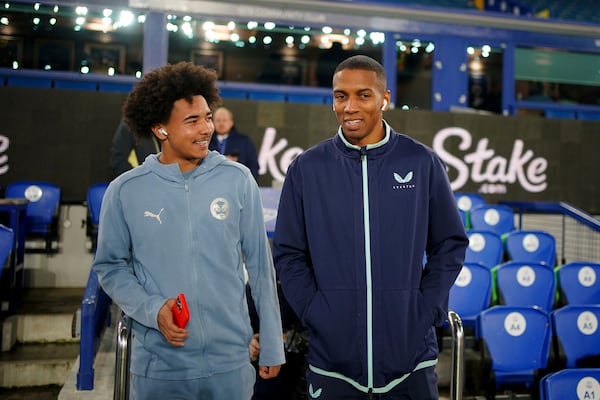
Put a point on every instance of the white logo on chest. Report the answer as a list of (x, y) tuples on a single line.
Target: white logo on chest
[(150, 214), (219, 208)]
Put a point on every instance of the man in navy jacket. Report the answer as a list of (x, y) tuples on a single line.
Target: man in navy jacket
[(357, 213), (231, 143)]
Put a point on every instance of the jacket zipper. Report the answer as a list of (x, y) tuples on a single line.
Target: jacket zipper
[(366, 220)]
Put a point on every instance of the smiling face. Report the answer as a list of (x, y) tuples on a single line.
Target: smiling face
[(189, 130), (359, 99)]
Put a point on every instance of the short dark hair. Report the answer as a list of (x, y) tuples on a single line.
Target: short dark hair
[(363, 62), (151, 100)]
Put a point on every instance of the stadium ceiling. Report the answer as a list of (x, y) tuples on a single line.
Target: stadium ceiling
[(368, 16)]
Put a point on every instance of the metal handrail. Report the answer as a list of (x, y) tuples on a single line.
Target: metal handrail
[(121, 390), (121, 387), (458, 349)]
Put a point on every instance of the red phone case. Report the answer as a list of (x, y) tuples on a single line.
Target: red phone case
[(181, 313)]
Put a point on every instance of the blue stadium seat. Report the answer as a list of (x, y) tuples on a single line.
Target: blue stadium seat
[(467, 201), (7, 242), (515, 343), (485, 247), (94, 201), (233, 93), (115, 87), (270, 200), (305, 98), (76, 85), (576, 335), (578, 383), (579, 283), (560, 114), (29, 82), (526, 284), (43, 209), (266, 96), (496, 218), (471, 294), (531, 246), (589, 115)]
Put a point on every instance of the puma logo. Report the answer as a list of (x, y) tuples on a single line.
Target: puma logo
[(150, 214)]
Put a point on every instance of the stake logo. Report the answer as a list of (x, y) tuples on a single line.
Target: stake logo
[(484, 166)]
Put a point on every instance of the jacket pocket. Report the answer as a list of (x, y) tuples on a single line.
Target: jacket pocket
[(336, 331)]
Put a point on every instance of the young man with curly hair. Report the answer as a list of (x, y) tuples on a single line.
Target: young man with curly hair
[(188, 220)]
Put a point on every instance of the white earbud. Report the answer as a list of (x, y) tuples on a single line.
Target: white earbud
[(384, 105), (333, 107), (163, 132)]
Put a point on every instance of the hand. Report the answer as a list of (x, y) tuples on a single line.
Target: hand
[(268, 372), (254, 347), (174, 334)]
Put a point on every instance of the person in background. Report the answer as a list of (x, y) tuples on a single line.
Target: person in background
[(188, 220), (327, 63), (233, 144), (127, 152), (357, 214)]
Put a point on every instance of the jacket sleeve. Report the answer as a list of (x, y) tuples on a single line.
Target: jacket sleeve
[(261, 277), (114, 266), (290, 247), (446, 244)]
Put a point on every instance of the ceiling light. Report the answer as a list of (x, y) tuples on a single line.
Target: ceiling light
[(125, 18)]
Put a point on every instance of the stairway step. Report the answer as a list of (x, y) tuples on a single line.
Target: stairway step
[(49, 392), (37, 364), (38, 347)]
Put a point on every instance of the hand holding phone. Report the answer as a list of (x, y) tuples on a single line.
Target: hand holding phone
[(181, 313)]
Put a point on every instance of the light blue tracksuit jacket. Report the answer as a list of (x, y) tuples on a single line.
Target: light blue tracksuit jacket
[(162, 233)]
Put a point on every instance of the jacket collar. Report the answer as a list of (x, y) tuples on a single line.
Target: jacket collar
[(350, 148), (172, 172)]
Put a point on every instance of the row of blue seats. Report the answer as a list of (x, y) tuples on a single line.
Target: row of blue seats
[(477, 214), (521, 245), (122, 87), (477, 288), (520, 344)]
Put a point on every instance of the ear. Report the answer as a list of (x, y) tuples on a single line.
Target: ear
[(157, 130)]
